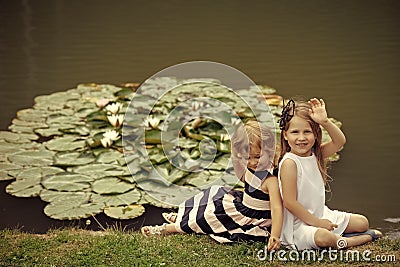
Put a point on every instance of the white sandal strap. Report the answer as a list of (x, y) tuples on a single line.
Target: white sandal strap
[(154, 230), (168, 216)]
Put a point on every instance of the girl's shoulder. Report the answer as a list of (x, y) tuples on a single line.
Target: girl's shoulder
[(298, 159), (290, 161), (291, 156)]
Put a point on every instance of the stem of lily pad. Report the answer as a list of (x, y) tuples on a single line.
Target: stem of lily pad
[(101, 226)]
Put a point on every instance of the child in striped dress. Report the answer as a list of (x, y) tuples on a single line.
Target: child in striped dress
[(229, 215)]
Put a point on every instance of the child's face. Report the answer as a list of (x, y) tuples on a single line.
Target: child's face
[(257, 160), (300, 137)]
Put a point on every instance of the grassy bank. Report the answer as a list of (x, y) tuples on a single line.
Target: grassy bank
[(72, 247)]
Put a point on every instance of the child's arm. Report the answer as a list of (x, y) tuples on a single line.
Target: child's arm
[(276, 212), (288, 177), (319, 115)]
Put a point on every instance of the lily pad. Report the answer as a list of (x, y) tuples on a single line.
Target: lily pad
[(73, 159), (153, 137), (5, 177), (172, 176), (56, 196), (81, 130), (35, 172), (62, 119), (28, 181), (111, 186), (67, 182), (158, 158), (25, 187), (111, 156), (162, 195), (66, 143), (31, 115), (9, 167), (32, 158), (71, 210), (48, 131), (9, 136), (198, 179), (124, 212), (127, 198), (9, 148), (99, 170), (232, 180)]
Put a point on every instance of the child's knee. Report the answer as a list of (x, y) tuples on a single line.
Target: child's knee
[(324, 238), (363, 223)]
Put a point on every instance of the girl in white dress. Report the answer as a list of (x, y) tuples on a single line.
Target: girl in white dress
[(308, 222)]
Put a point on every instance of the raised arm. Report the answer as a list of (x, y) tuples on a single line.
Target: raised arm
[(318, 114), (288, 178)]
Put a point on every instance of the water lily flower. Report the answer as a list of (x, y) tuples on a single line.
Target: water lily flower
[(116, 120), (151, 122), (113, 108), (111, 134), (108, 137), (103, 102), (106, 142)]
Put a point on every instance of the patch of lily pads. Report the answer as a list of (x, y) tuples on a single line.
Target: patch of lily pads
[(68, 149)]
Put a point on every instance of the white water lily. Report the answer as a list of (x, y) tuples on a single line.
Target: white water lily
[(111, 134), (102, 102), (151, 122), (113, 108), (116, 120), (108, 137), (106, 142)]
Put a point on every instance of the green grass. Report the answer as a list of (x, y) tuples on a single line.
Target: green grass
[(73, 247)]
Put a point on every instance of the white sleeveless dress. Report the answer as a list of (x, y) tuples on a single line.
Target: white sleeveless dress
[(311, 194)]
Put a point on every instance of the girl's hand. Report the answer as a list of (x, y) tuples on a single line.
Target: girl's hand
[(327, 224), (273, 243), (318, 111)]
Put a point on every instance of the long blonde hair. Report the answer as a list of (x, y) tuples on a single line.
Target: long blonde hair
[(253, 134), (301, 109)]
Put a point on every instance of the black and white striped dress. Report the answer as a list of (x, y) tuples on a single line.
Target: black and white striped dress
[(229, 215)]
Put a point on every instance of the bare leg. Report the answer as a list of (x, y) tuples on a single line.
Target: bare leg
[(357, 223), (357, 240), (324, 238), (171, 228)]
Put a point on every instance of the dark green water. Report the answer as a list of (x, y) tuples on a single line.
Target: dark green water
[(344, 51)]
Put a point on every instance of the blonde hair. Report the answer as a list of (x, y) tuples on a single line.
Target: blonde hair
[(247, 136), (301, 109)]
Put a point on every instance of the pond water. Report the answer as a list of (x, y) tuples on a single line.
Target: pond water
[(344, 51)]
